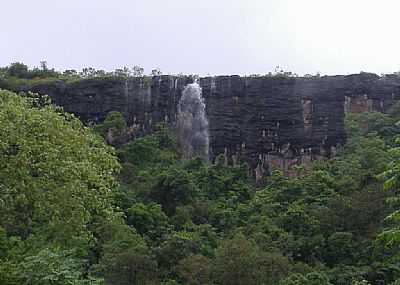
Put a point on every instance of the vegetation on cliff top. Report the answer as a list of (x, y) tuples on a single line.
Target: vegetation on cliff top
[(18, 76)]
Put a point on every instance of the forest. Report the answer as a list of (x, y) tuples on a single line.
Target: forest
[(77, 211)]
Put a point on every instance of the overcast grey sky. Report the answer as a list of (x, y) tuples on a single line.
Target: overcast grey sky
[(204, 36)]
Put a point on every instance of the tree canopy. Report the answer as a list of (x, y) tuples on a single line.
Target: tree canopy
[(56, 180), (77, 211)]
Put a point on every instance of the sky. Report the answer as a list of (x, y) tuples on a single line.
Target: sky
[(204, 36)]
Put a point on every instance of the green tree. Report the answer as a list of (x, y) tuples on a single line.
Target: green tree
[(313, 278), (125, 257), (18, 69), (112, 127), (56, 176), (53, 267), (174, 187), (391, 179), (177, 246), (294, 279), (148, 220), (239, 261), (195, 269)]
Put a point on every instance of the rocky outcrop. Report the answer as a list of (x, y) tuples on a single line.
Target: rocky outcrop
[(268, 122), (370, 92)]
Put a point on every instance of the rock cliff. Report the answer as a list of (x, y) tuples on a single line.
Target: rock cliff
[(269, 122)]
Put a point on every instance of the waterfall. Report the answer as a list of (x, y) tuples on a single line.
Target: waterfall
[(192, 124)]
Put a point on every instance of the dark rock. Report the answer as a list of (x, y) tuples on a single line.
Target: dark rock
[(268, 122)]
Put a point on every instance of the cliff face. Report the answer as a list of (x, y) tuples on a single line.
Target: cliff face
[(269, 122)]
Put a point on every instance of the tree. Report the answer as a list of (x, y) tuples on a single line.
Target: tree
[(125, 257), (18, 69), (391, 179), (43, 65), (124, 72), (240, 262), (53, 267), (56, 176), (177, 246), (148, 219), (195, 269), (156, 72), (138, 71), (112, 127), (173, 188), (294, 279), (313, 278), (88, 72)]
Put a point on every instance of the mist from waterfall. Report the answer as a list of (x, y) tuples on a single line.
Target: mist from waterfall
[(192, 123)]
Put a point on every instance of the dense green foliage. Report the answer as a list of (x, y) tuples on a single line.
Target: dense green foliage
[(66, 220), (56, 186), (209, 224), (18, 76)]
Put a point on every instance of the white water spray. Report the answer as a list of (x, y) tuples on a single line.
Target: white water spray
[(192, 124)]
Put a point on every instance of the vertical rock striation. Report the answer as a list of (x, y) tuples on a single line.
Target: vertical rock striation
[(268, 122)]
